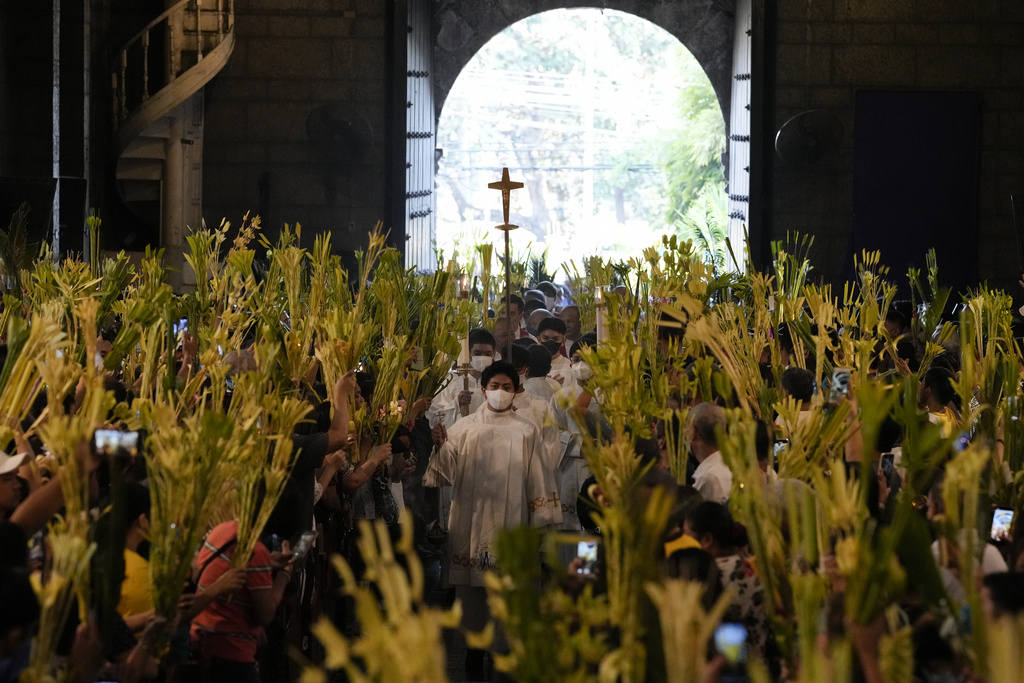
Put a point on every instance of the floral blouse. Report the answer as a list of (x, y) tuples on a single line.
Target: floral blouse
[(748, 605)]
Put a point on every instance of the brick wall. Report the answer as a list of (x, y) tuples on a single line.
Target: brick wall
[(291, 57), (827, 50)]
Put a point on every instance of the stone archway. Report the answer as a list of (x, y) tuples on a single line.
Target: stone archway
[(705, 27)]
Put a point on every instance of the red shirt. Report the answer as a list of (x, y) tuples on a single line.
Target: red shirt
[(227, 628)]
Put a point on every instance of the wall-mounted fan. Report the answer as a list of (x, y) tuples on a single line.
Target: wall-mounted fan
[(809, 137), (340, 134)]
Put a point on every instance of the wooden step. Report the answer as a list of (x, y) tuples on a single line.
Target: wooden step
[(145, 147), (140, 169)]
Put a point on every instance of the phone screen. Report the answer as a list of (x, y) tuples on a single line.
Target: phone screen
[(111, 441), (963, 440), (839, 388), (1002, 521), (181, 326), (303, 545), (887, 461), (587, 551), (731, 642)]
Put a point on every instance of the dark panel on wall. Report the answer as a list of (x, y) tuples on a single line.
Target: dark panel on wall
[(916, 177), (38, 192)]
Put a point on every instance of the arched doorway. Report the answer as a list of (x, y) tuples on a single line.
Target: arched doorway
[(443, 38), (611, 123)]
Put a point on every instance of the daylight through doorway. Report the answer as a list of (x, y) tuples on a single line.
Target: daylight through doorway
[(607, 118)]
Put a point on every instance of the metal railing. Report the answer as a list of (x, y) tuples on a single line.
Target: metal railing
[(153, 58)]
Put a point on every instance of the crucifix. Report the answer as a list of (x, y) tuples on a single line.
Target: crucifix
[(506, 186)]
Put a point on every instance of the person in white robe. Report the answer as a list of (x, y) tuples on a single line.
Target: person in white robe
[(572, 467), (551, 335), (494, 461), (538, 411), (537, 381), (449, 401)]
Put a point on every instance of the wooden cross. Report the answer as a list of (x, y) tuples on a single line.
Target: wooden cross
[(506, 186)]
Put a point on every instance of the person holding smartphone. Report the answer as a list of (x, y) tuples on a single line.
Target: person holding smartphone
[(227, 632)]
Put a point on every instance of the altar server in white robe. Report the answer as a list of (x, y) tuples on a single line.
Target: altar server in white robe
[(494, 461), (551, 335), (572, 468), (449, 400), (537, 381), (538, 411)]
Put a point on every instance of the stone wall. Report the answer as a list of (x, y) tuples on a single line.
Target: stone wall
[(827, 50), (26, 91), (705, 27), (291, 57)]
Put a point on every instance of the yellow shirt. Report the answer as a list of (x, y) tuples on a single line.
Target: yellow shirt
[(680, 543), (946, 420), (136, 596)]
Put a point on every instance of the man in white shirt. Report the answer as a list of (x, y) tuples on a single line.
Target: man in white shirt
[(712, 478)]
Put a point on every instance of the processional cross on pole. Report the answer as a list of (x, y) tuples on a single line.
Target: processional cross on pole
[(506, 186)]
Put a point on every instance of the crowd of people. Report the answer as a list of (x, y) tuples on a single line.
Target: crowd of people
[(506, 442)]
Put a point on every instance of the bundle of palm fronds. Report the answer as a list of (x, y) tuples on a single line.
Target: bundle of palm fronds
[(264, 461), (400, 635), (686, 628), (68, 569), (29, 347), (551, 636), (189, 461), (343, 329)]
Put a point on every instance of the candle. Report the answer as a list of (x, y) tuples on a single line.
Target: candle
[(602, 330), (464, 285), (464, 352)]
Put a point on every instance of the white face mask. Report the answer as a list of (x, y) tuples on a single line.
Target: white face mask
[(497, 356), (480, 363), (549, 302), (499, 399), (582, 371)]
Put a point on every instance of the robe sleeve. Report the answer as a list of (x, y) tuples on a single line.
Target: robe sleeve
[(441, 468), (545, 508), (446, 401)]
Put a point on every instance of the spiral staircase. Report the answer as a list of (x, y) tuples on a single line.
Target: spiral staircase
[(157, 84)]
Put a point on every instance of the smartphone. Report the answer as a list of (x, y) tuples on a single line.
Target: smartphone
[(181, 326), (586, 551), (731, 643), (780, 446), (839, 388), (962, 441), (274, 543), (887, 464), (115, 443), (303, 545), (1002, 522)]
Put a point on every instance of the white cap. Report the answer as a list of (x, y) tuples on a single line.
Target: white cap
[(9, 463)]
